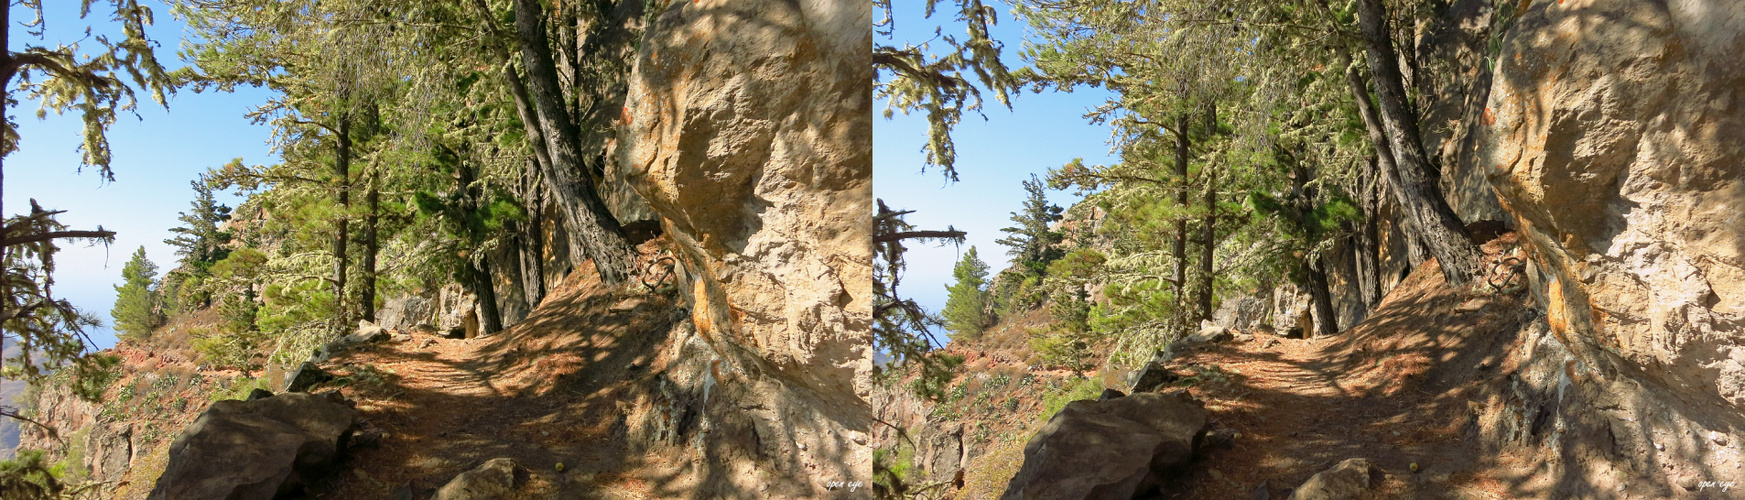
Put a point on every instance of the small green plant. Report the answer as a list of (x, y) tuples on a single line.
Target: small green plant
[(238, 389), (1074, 389), (1209, 374), (364, 374)]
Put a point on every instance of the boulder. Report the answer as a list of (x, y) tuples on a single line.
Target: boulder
[(259, 393), (1119, 448), (496, 479), (406, 313), (1153, 376), (1209, 333), (260, 449), (1347, 481), (367, 332), (306, 377), (1109, 394)]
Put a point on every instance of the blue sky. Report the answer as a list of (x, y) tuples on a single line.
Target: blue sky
[(994, 157), (155, 156)]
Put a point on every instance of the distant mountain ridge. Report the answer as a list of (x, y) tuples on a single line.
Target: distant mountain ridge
[(8, 390)]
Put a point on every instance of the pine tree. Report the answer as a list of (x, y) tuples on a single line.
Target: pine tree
[(97, 84), (1032, 242), (135, 310), (966, 302), (200, 242)]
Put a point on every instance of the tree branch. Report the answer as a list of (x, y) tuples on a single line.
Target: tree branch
[(887, 238), (39, 237)]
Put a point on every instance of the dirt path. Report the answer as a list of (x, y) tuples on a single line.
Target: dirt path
[(1397, 390), (550, 390)]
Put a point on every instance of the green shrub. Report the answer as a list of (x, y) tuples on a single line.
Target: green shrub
[(238, 389), (229, 350), (1074, 389)]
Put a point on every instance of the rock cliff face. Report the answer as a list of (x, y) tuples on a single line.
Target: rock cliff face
[(1615, 136), (748, 130)]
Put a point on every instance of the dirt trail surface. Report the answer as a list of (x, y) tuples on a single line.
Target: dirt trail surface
[(553, 389), (1400, 388)]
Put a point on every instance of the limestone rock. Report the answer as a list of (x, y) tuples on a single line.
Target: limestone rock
[(261, 449), (1209, 333), (1118, 448), (406, 313), (747, 128), (496, 479), (1346, 481), (367, 332), (1614, 137), (1621, 163), (455, 307)]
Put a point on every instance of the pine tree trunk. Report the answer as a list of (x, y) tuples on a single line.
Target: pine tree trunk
[(507, 262), (1210, 243), (1369, 261), (8, 69), (1322, 298), (595, 233), (1384, 166), (1180, 245), (1437, 226), (373, 203), (490, 318), (532, 245), (341, 235)]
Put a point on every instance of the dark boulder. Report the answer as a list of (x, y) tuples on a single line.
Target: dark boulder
[(260, 449), (1119, 448), (307, 377), (1152, 377)]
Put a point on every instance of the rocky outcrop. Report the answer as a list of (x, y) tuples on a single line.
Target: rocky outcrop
[(457, 308), (404, 314), (1349, 480), (109, 450), (259, 449), (496, 479), (748, 130), (1453, 77), (941, 453), (1615, 135), (1117, 448)]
